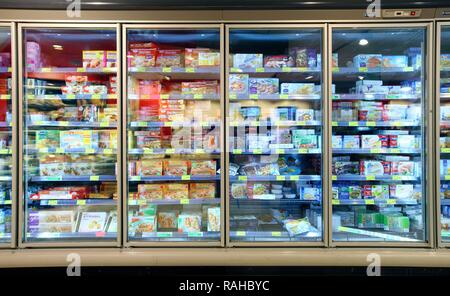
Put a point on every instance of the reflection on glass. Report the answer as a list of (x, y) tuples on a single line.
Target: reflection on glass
[(5, 135), (275, 135), (70, 136), (444, 136), (378, 135), (173, 127)]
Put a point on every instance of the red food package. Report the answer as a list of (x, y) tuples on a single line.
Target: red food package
[(171, 88), (367, 191), (393, 141), (169, 58), (384, 141), (142, 54), (149, 87)]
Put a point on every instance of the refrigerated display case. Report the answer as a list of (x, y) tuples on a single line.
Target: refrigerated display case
[(275, 134), (7, 190), (380, 134), (174, 135), (69, 120), (443, 136)]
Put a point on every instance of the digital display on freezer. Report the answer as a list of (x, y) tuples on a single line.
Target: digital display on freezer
[(275, 135), (5, 136), (174, 135), (70, 135), (378, 134), (444, 135)]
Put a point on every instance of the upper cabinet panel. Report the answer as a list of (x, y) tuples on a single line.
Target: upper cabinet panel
[(70, 116)]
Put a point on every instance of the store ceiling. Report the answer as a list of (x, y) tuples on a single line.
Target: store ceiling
[(217, 4)]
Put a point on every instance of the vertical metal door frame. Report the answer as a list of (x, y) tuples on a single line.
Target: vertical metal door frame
[(428, 123), (126, 241), (13, 98), (323, 28), (20, 118), (437, 125)]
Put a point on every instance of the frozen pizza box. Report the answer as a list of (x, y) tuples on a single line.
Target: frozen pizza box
[(247, 60), (92, 221)]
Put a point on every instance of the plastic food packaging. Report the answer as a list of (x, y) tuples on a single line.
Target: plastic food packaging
[(297, 88), (167, 219), (214, 219)]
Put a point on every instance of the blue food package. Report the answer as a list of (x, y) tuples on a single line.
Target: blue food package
[(247, 60)]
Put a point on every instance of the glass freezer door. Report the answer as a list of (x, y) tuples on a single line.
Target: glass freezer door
[(70, 135), (6, 196), (275, 135), (444, 134), (378, 134), (174, 119)]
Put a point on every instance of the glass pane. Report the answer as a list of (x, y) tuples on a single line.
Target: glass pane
[(444, 136), (70, 135), (275, 135), (173, 127), (378, 134), (5, 135)]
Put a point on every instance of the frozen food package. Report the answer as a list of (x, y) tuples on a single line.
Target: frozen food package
[(167, 219), (263, 85), (247, 60), (47, 139), (401, 191), (208, 59), (239, 84), (376, 168), (445, 60), (199, 57), (309, 193), (175, 167), (304, 57), (94, 58), (214, 219), (203, 167), (304, 115), (278, 61), (374, 141), (351, 142), (189, 222), (142, 54), (296, 227), (92, 221), (367, 61), (202, 190), (404, 168), (297, 88), (169, 58), (176, 191), (150, 191), (111, 58), (149, 167), (346, 168), (142, 224), (398, 61), (354, 192), (75, 139), (239, 190), (337, 142)]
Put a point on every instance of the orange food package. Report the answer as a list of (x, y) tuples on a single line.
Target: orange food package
[(150, 191), (169, 58), (149, 167), (176, 167), (202, 190), (203, 167), (176, 191)]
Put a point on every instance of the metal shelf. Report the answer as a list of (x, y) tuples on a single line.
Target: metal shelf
[(5, 202), (140, 151), (173, 178), (377, 151), (277, 151), (81, 124), (404, 123), (75, 202), (72, 178), (273, 97), (276, 123), (356, 202), (196, 201), (208, 97), (64, 70), (72, 97), (137, 124), (276, 70), (375, 97), (374, 178), (72, 150), (72, 235), (277, 178), (174, 234)]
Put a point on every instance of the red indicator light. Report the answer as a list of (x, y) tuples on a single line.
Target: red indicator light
[(413, 13)]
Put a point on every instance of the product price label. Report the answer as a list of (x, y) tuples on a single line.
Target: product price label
[(63, 123), (257, 151), (371, 123), (240, 233), (363, 69), (294, 178), (235, 70), (447, 177), (301, 122), (259, 70), (168, 123), (94, 178), (59, 150), (52, 178), (89, 151), (81, 202), (334, 178), (195, 234), (276, 233), (190, 70), (253, 97), (369, 202), (164, 97), (286, 69), (279, 151), (391, 201), (166, 69), (164, 234), (302, 151), (142, 202), (397, 178), (199, 151), (335, 69), (335, 202), (284, 97), (52, 202), (395, 150), (281, 178), (370, 178), (237, 151), (445, 150), (353, 123), (185, 177), (375, 150), (198, 96), (232, 96), (4, 151), (104, 124), (107, 151), (142, 124), (334, 123), (242, 178), (184, 201)]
